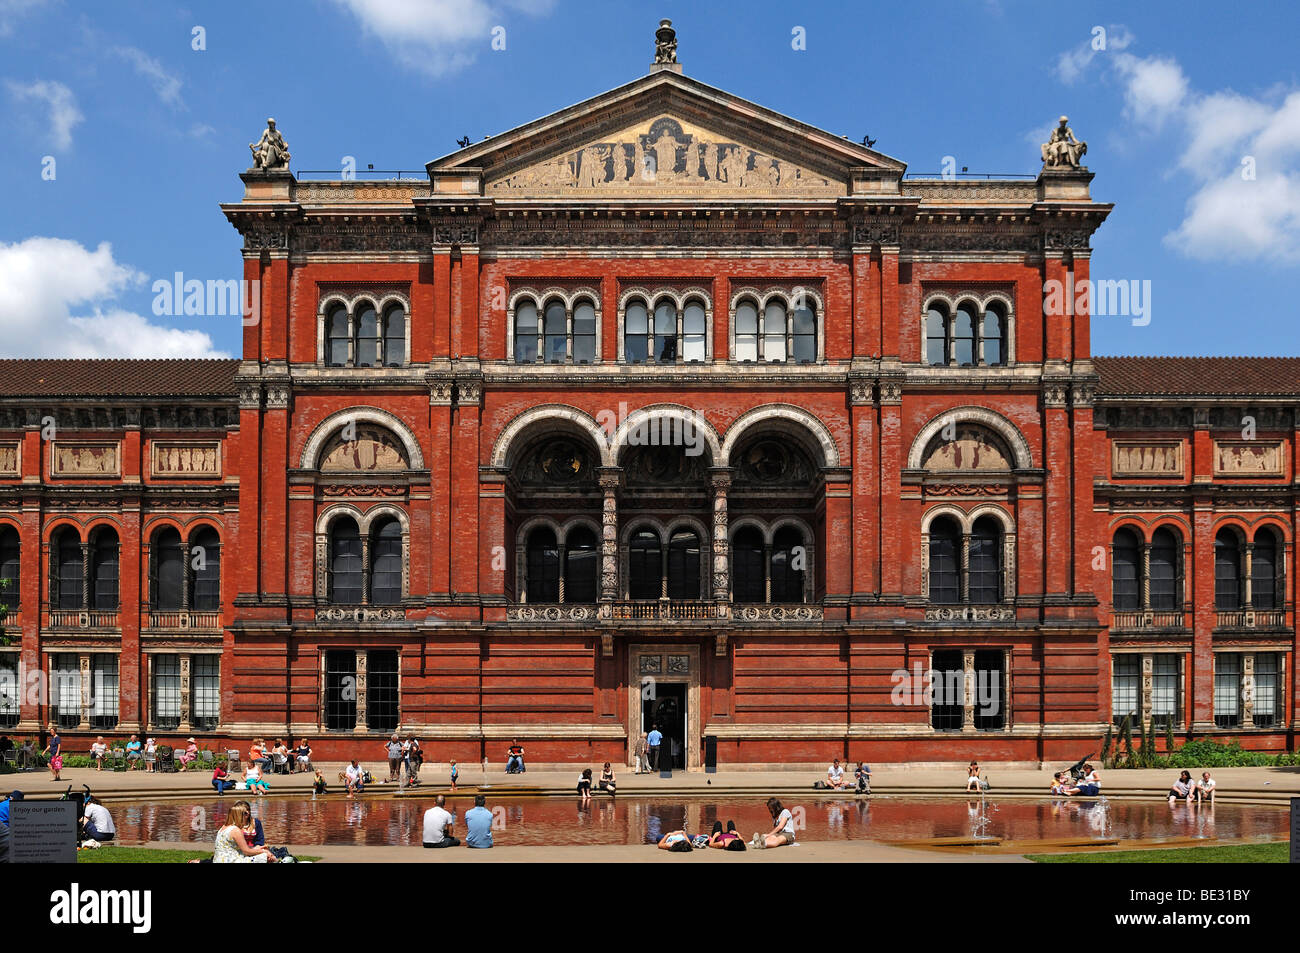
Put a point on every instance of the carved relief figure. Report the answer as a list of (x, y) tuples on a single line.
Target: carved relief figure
[(90, 460), (192, 459), (1248, 457), (970, 450), (373, 449), (1160, 459), (9, 459)]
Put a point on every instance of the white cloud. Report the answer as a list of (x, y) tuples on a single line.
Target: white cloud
[(1072, 64), (11, 11), (42, 282), (437, 36), (1155, 88), (165, 84), (58, 99)]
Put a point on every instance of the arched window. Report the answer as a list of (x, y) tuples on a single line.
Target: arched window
[(636, 332), (694, 332), (584, 333), (936, 336), (746, 331), (665, 338), (684, 565), (963, 336), (1126, 572), (984, 561), (367, 335), (168, 570), (345, 570), (747, 570), (394, 336), (1164, 570), (1227, 570), (774, 331), (1265, 585), (804, 333), (386, 562), (580, 559), (789, 560), (104, 570), (67, 572), (993, 335), (526, 332), (336, 334), (556, 332), (9, 567), (543, 554), (645, 565), (945, 561), (205, 558)]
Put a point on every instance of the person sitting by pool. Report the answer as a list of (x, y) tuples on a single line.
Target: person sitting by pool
[(438, 825), (133, 753), (191, 753), (221, 779), (1090, 784), (1205, 788), (728, 839), (96, 822), (97, 751), (318, 785), (302, 756), (253, 779), (973, 776), (515, 758), (1183, 788), (678, 841), (607, 782), (232, 846), (478, 824), (782, 833), (862, 776), (835, 775), (1061, 784), (253, 832), (354, 776), (584, 784)]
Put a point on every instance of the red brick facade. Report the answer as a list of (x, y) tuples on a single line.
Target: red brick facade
[(954, 494)]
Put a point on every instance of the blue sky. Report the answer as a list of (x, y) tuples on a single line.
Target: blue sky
[(148, 134)]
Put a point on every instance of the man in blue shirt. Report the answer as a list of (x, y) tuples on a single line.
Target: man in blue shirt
[(653, 740), (478, 824)]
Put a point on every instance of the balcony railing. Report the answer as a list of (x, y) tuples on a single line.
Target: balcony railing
[(777, 612), (555, 613), (84, 619), (182, 619), (1252, 619), (363, 614), (11, 618), (970, 614), (1147, 619), (666, 610)]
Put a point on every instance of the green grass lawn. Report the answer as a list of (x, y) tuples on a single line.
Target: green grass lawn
[(1277, 852), (145, 855)]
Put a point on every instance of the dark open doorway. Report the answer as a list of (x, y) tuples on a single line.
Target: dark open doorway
[(666, 710)]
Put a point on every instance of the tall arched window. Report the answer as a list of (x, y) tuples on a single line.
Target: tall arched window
[(336, 334), (993, 336), (665, 336), (205, 558), (936, 335), (386, 562), (789, 560), (367, 354), (804, 333), (969, 336), (774, 331), (746, 331), (1126, 571), (104, 569), (345, 572), (9, 566), (584, 332), (394, 336), (1227, 570), (747, 567), (1164, 570), (554, 327), (636, 332), (543, 566), (945, 561), (684, 565), (526, 332), (67, 574), (168, 570), (963, 336), (694, 331), (1265, 586), (984, 562), (645, 565), (580, 559)]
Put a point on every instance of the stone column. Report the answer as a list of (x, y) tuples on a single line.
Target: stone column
[(965, 569), (365, 569), (968, 690), (187, 720), (720, 478), (83, 664), (1148, 686), (362, 658), (1247, 689), (1248, 596), (610, 479), (1146, 576)]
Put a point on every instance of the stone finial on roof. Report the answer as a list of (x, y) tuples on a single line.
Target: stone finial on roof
[(666, 47)]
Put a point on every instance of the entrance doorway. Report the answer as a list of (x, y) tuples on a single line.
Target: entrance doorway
[(666, 710)]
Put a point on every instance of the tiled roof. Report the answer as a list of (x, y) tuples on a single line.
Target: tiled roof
[(152, 377), (1198, 376)]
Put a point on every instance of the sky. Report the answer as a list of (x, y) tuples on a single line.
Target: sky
[(126, 124)]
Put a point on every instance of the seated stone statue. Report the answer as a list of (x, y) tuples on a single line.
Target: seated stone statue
[(271, 152), (1062, 150)]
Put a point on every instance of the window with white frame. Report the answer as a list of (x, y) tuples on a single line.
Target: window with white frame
[(968, 333), (1227, 689), (363, 332), (777, 328), (552, 329), (1125, 685), (205, 691), (660, 329), (1166, 689), (103, 691)]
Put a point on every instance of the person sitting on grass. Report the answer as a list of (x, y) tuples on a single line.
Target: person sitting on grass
[(782, 833), (1205, 788), (835, 775), (232, 845), (97, 751), (253, 779), (1183, 788), (726, 840), (973, 776), (677, 841), (253, 832)]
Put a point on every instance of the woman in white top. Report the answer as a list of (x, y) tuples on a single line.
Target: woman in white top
[(97, 751), (782, 832), (151, 754), (232, 847)]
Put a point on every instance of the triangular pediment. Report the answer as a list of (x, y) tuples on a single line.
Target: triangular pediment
[(663, 136)]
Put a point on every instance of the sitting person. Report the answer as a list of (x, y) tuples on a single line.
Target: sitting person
[(232, 845), (190, 754), (253, 779), (1061, 784), (862, 776), (257, 755), (607, 782), (302, 756), (835, 775), (1205, 787), (1183, 788), (253, 832), (133, 753), (438, 825), (728, 839), (1090, 785), (97, 751), (221, 779), (676, 841), (515, 758), (584, 784), (318, 783), (478, 824), (354, 776), (782, 833), (973, 776), (97, 823)]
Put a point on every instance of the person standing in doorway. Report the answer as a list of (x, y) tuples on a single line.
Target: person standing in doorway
[(653, 740)]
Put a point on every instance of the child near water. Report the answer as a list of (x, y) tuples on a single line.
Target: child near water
[(455, 773)]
